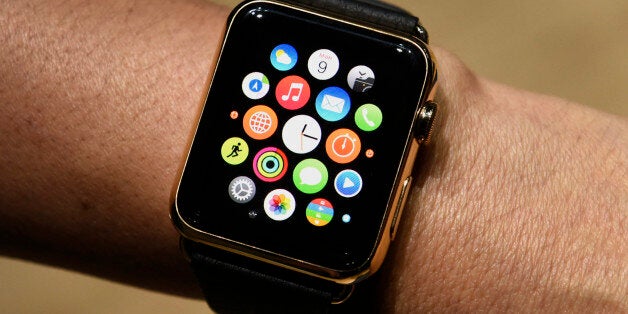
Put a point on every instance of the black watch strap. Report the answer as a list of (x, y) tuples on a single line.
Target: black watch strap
[(236, 284), (375, 12)]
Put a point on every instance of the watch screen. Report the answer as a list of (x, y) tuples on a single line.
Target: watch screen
[(305, 126)]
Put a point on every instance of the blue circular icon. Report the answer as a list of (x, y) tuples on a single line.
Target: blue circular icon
[(333, 104), (348, 183), (346, 218), (283, 57), (256, 85)]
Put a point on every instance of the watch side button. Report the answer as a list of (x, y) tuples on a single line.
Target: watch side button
[(403, 196), (425, 122)]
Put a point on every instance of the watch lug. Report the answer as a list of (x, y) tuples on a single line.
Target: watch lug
[(421, 32)]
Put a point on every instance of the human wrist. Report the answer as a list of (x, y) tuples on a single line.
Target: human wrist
[(495, 217)]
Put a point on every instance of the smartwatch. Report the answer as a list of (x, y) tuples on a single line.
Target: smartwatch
[(302, 158)]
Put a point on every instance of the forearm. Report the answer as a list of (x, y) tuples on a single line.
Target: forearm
[(98, 101), (520, 200)]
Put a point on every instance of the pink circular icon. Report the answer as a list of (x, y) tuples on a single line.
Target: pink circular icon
[(270, 164), (292, 92)]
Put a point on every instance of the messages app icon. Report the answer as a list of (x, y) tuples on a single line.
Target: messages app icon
[(310, 176), (333, 104)]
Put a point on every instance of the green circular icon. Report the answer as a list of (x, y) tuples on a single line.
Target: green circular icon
[(234, 151), (310, 176), (368, 117)]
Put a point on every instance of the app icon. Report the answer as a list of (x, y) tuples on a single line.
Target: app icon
[(301, 134), (361, 78), (279, 205), (348, 183), (343, 146), (255, 85), (369, 153), (333, 103), (270, 164), (323, 64), (260, 122), (234, 151), (368, 117), (283, 57), (319, 212), (242, 189), (292, 92), (310, 176)]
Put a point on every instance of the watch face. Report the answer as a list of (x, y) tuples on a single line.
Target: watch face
[(302, 138)]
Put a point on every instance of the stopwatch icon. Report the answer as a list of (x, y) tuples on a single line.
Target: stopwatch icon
[(343, 146)]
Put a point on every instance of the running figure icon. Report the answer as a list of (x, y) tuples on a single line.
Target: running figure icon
[(235, 149)]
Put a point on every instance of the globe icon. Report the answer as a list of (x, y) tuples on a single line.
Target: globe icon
[(260, 122)]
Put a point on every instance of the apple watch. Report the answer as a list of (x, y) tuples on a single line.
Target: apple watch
[(302, 158)]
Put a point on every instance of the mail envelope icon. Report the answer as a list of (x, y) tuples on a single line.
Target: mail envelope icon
[(333, 104)]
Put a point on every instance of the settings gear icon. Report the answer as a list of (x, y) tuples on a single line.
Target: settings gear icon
[(242, 189)]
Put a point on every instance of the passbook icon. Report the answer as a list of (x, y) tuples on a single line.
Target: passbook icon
[(333, 103)]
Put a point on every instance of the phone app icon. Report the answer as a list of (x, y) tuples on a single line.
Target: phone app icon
[(368, 117), (242, 189), (255, 85), (319, 212), (361, 78), (260, 122), (343, 146), (270, 164), (301, 134), (234, 151), (323, 64), (283, 57), (292, 92), (279, 204), (333, 103), (310, 176), (348, 183)]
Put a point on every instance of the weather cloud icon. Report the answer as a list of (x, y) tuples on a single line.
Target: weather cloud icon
[(284, 57)]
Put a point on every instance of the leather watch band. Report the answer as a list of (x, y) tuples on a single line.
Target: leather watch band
[(236, 284), (374, 12)]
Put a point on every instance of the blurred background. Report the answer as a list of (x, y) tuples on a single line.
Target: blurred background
[(575, 49)]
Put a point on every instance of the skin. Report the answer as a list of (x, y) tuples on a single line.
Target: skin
[(519, 204)]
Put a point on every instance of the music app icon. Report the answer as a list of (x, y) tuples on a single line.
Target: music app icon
[(292, 92)]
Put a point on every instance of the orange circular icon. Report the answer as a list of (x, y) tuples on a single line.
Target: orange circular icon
[(369, 153), (260, 122), (343, 146)]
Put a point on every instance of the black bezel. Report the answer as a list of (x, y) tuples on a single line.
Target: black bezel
[(404, 73)]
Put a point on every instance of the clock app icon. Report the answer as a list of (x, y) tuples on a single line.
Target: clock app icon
[(301, 134)]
